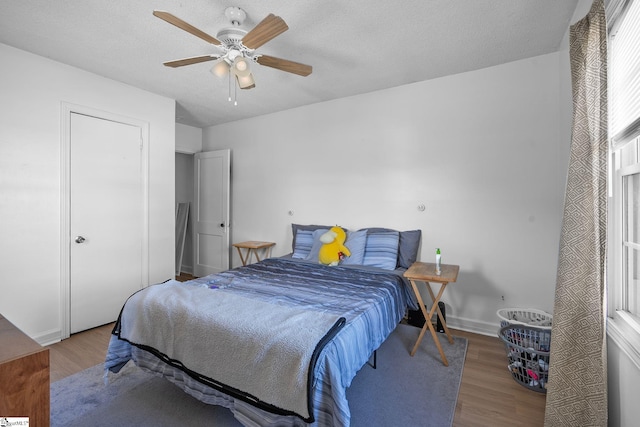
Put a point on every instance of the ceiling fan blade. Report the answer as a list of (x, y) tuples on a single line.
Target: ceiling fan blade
[(267, 29), (192, 60), (285, 65), (171, 19)]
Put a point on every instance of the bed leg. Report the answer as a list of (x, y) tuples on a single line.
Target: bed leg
[(375, 360)]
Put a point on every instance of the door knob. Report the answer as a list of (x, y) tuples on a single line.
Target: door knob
[(222, 224), (80, 239)]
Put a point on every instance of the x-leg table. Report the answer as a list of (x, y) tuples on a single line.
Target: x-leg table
[(252, 247), (426, 272)]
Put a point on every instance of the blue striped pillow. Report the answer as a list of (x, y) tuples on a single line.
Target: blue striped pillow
[(314, 253), (381, 250), (356, 243), (297, 227), (303, 243)]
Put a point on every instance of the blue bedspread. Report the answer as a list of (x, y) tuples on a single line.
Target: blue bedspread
[(372, 301)]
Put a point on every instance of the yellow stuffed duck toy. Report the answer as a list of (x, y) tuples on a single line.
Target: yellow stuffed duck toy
[(333, 249)]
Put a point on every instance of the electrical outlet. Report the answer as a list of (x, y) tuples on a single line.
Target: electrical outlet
[(502, 297)]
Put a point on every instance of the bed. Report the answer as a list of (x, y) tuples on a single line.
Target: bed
[(277, 342)]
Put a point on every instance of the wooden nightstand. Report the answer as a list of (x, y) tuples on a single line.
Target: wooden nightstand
[(252, 247), (24, 376), (426, 272)]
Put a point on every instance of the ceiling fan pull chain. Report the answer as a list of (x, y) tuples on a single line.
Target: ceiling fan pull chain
[(229, 87), (235, 94)]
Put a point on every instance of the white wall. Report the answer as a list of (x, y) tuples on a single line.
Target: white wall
[(33, 89), (486, 152), (623, 377), (188, 139)]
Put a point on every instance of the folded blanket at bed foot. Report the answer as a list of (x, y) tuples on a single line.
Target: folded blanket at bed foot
[(197, 329)]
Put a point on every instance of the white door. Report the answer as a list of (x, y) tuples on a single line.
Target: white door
[(211, 212), (106, 219)]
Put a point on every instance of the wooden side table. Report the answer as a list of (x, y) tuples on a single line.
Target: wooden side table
[(426, 272), (252, 247), (24, 376)]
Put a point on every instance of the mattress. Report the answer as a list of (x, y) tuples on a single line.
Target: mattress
[(371, 302)]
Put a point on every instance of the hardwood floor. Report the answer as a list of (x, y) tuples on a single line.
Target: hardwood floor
[(79, 352), (488, 395)]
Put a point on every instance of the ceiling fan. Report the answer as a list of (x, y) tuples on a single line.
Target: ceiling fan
[(237, 47)]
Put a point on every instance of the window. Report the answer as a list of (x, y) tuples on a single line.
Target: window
[(624, 203), (630, 241), (624, 243), (624, 70)]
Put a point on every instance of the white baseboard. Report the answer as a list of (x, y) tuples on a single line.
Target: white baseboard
[(474, 326), (187, 269), (48, 337)]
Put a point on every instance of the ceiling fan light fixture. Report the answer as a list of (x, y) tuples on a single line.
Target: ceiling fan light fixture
[(221, 69), (246, 82), (241, 66)]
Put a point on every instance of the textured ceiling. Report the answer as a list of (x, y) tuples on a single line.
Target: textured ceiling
[(354, 46)]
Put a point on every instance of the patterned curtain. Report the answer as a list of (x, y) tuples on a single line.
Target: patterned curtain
[(577, 387)]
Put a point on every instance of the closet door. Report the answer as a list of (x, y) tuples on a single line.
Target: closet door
[(106, 219), (211, 212)]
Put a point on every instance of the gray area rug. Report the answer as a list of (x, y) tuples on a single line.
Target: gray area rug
[(402, 391)]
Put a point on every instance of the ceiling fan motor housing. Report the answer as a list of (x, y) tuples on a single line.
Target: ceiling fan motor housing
[(232, 37)]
